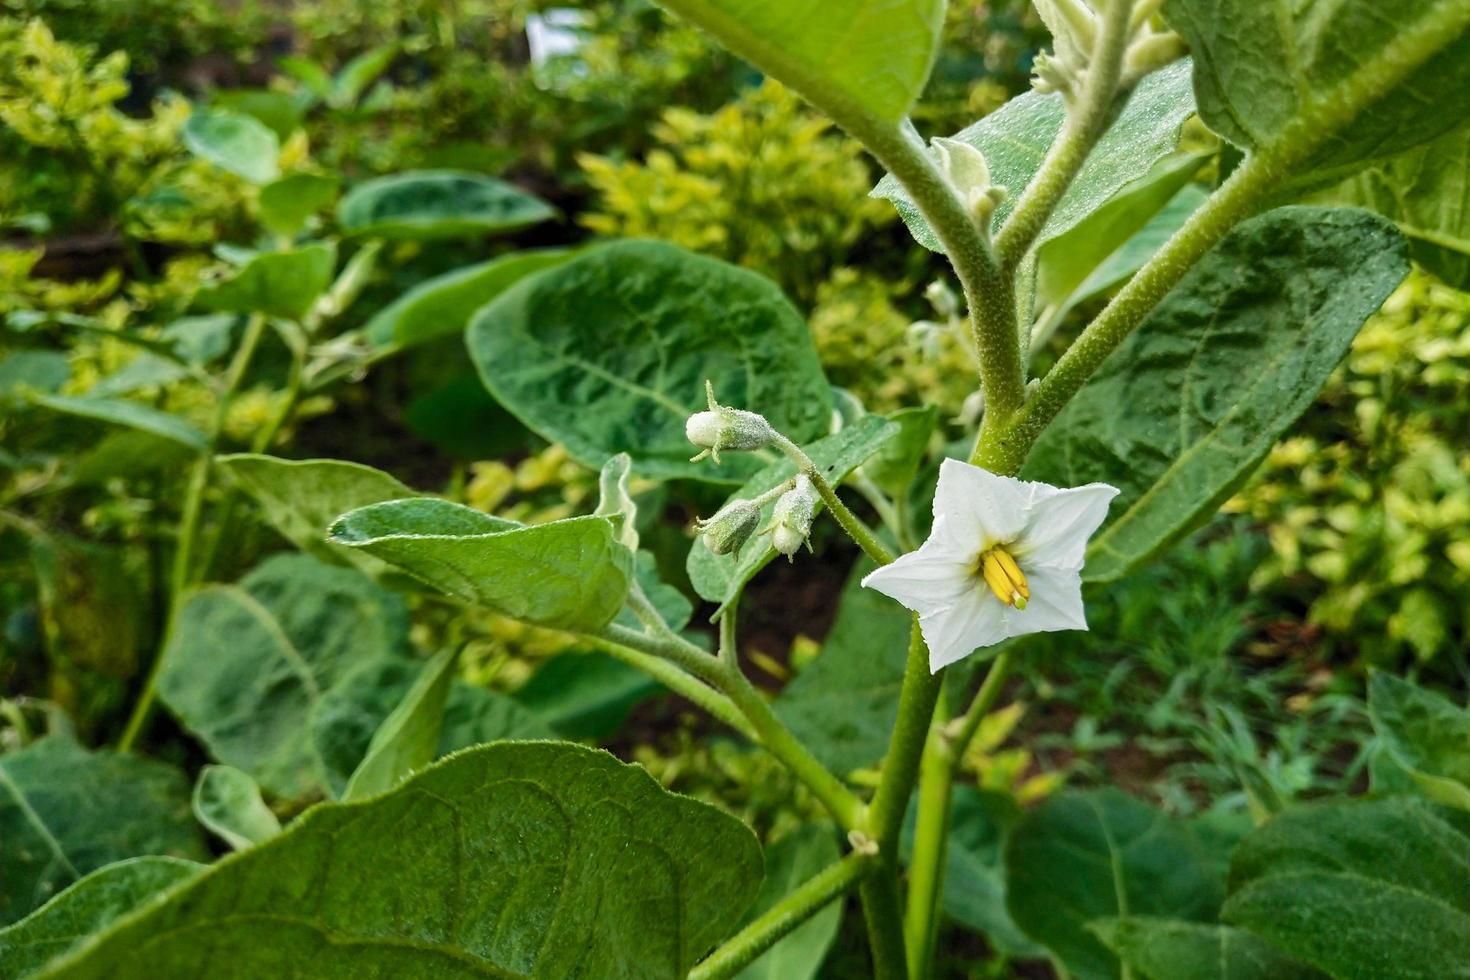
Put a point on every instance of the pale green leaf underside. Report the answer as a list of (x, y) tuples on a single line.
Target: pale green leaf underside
[(133, 415), (228, 803), (543, 860), (1164, 949), (236, 142), (874, 55), (409, 737), (425, 205), (1015, 138), (570, 574), (1216, 374)]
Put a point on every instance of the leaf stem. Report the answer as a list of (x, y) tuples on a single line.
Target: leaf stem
[(854, 527), (682, 684), (786, 915), (983, 703)]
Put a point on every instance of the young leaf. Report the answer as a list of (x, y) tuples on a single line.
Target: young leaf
[(719, 578), (300, 498), (283, 284), (790, 863), (609, 353), (407, 740), (425, 205), (235, 142), (287, 203), (1216, 374), (870, 55), (134, 415), (65, 812), (1085, 856), (1425, 735), (443, 305), (540, 859), (1261, 69), (86, 907), (1164, 949), (615, 503), (570, 574), (227, 802), (1016, 137), (1389, 876), (249, 663), (359, 73)]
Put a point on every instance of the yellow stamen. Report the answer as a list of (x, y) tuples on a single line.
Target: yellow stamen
[(1005, 577)]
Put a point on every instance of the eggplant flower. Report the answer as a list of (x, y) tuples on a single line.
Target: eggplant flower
[(1004, 559)]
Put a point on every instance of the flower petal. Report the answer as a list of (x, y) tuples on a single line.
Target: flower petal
[(1055, 603), (955, 632), (1059, 525), (979, 507), (924, 580)]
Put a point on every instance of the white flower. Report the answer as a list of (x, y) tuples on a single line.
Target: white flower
[(1004, 559)]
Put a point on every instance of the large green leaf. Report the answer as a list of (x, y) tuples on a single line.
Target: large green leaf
[(1216, 373), (408, 739), (874, 55), (131, 414), (790, 863), (286, 204), (1364, 889), (444, 304), (1164, 949), (1100, 854), (570, 574), (1426, 192), (537, 859), (284, 284), (301, 498), (843, 704), (85, 908), (65, 812), (719, 578), (1425, 735), (610, 351), (249, 663), (423, 205), (1015, 138), (1263, 68), (228, 803), (235, 142)]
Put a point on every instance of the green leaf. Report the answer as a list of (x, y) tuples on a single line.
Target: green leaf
[(84, 908), (1424, 734), (1425, 192), (300, 498), (134, 415), (719, 578), (571, 574), (40, 371), (283, 284), (475, 716), (843, 705), (280, 113), (1016, 137), (1364, 889), (65, 812), (287, 203), (585, 695), (227, 802), (894, 466), (249, 663), (609, 353), (790, 863), (443, 305), (872, 56), (542, 859), (233, 141), (426, 205), (407, 740), (671, 604), (1260, 68), (1163, 949), (1216, 373), (1085, 856), (615, 502), (359, 73)]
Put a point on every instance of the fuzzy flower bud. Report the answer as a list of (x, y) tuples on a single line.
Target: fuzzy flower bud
[(791, 521), (731, 527), (722, 427)]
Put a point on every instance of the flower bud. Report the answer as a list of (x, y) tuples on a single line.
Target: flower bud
[(969, 174), (731, 527), (726, 428), (791, 521)]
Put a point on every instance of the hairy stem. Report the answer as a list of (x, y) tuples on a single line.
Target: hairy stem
[(931, 844), (780, 919), (682, 684), (854, 527)]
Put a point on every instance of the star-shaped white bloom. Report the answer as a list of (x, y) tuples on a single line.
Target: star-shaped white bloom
[(1004, 559)]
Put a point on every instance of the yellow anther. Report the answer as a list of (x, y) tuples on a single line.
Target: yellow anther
[(1005, 577)]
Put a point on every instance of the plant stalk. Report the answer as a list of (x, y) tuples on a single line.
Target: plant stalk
[(855, 528)]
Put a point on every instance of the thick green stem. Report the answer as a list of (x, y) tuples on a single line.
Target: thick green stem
[(883, 915), (931, 845), (854, 527), (916, 700), (780, 919), (1086, 121)]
